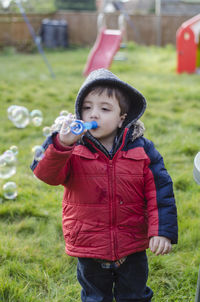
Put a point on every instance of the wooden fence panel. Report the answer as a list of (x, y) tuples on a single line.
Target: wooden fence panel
[(82, 27), (13, 29)]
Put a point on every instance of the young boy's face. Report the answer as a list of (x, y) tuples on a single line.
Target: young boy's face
[(106, 112)]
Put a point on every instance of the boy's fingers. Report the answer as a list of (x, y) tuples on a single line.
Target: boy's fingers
[(154, 244), (151, 243), (167, 248), (161, 246), (65, 128)]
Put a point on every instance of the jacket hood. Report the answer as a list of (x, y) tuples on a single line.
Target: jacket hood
[(105, 77)]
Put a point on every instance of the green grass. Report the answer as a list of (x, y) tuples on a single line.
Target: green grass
[(33, 263)]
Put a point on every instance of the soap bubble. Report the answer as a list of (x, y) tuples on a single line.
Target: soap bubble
[(64, 117), (38, 152), (9, 156), (37, 121), (46, 131), (14, 149), (7, 164), (54, 128), (10, 190), (10, 111), (2, 161), (58, 123), (36, 117), (19, 115), (71, 117), (64, 112), (60, 119)]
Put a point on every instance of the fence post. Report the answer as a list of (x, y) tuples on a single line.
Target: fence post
[(158, 21)]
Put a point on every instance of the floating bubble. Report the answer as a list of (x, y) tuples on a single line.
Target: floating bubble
[(38, 152), (36, 112), (9, 156), (71, 117), (54, 128), (37, 121), (58, 123), (10, 190), (36, 117), (14, 149), (60, 119), (19, 115), (63, 119), (10, 111), (64, 112), (46, 131), (2, 162), (7, 164)]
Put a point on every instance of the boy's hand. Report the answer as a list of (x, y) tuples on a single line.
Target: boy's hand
[(160, 245), (66, 137)]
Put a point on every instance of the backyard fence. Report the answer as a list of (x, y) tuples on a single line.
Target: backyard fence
[(82, 28), (14, 31)]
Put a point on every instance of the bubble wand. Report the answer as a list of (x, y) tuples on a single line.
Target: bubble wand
[(77, 127)]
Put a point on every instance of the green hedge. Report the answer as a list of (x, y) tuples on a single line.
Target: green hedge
[(76, 4)]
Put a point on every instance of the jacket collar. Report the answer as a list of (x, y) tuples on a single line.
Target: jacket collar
[(136, 131)]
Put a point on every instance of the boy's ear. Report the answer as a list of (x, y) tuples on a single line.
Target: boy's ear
[(122, 118)]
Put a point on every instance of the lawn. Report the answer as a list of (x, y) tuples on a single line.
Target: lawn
[(34, 266)]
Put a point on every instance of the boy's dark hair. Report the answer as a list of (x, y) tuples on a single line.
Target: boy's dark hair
[(120, 95)]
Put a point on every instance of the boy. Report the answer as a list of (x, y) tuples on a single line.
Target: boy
[(118, 197)]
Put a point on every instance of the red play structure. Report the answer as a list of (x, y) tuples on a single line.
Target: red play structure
[(101, 55), (108, 41), (188, 46)]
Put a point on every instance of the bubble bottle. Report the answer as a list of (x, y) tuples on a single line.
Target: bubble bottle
[(77, 127)]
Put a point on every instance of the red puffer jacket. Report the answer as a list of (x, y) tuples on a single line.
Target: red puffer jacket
[(111, 207)]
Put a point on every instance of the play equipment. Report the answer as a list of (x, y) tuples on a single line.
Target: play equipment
[(108, 40), (101, 55), (188, 46), (35, 38)]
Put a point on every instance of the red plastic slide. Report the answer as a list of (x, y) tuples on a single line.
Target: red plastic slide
[(103, 51)]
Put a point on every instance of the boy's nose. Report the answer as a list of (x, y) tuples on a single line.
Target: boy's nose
[(94, 113)]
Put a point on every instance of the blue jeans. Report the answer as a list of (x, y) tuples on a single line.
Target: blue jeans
[(127, 283)]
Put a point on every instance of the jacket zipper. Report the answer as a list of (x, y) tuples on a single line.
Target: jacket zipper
[(112, 209), (112, 185), (113, 204)]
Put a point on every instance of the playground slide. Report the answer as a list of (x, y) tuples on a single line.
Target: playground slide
[(103, 51)]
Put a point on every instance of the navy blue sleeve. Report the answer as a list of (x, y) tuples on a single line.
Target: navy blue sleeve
[(163, 198)]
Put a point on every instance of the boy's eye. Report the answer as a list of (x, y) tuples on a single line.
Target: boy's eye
[(105, 109), (86, 107)]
